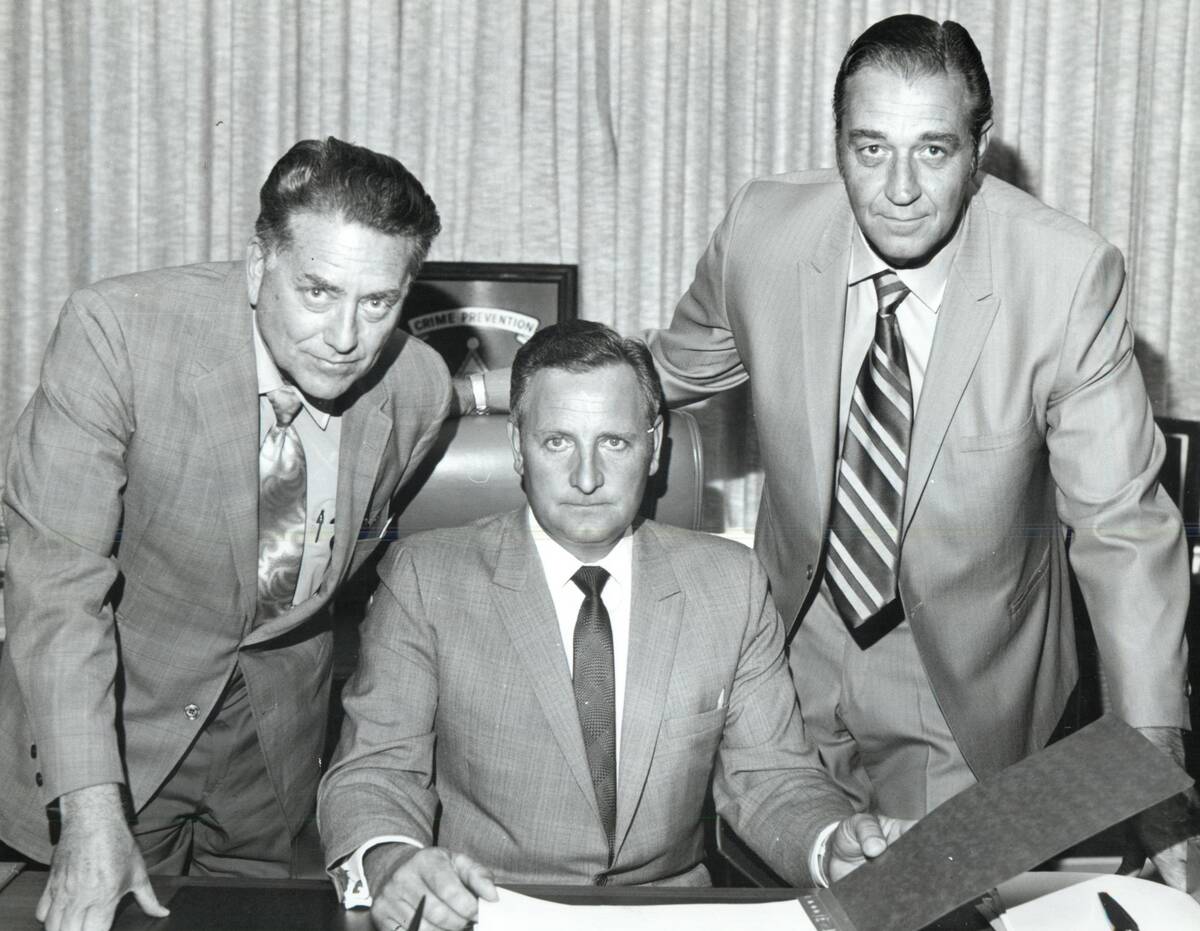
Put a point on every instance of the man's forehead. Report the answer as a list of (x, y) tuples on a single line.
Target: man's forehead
[(316, 233), (886, 97), (605, 396)]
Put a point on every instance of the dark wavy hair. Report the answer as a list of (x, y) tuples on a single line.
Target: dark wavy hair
[(582, 346), (329, 176)]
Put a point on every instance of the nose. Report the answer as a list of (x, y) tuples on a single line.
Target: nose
[(341, 331), (902, 188), (587, 475)]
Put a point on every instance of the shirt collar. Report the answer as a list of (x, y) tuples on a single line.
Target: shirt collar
[(559, 565), (269, 377), (928, 282)]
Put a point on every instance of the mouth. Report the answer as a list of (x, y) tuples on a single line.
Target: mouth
[(333, 365)]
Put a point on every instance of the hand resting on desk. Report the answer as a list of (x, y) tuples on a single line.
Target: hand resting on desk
[(450, 883), (95, 863), (399, 876)]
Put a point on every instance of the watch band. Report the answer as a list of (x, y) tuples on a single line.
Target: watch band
[(479, 391)]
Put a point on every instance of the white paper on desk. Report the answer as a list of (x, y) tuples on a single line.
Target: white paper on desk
[(1077, 908), (516, 912)]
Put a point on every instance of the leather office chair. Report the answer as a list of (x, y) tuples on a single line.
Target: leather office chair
[(1180, 476)]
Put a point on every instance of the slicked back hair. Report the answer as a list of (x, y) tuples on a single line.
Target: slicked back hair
[(583, 346), (914, 46), (335, 178)]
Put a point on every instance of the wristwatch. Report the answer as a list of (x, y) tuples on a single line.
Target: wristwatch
[(479, 390)]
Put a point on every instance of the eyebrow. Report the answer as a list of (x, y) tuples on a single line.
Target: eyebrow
[(390, 296), (602, 435), (309, 280), (947, 139)]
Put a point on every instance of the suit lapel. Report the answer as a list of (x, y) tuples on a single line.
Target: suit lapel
[(964, 320), (656, 612), (523, 603), (366, 427), (227, 398), (820, 327)]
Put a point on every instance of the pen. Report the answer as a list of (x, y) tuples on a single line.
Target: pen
[(415, 922), (1121, 920)]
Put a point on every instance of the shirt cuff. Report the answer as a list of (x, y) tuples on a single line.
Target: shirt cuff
[(349, 878), (816, 859)]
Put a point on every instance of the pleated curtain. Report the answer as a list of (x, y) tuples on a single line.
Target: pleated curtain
[(606, 133)]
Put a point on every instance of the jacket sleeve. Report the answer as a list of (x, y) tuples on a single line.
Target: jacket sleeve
[(63, 486), (1128, 548), (768, 781), (696, 354), (381, 778)]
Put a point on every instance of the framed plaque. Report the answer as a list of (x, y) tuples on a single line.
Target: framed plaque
[(477, 314)]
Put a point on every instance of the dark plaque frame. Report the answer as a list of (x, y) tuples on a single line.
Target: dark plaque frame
[(477, 314)]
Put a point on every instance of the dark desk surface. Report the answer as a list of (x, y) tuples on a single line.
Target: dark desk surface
[(310, 905)]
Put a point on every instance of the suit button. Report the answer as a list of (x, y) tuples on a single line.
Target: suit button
[(33, 751), (192, 712), (37, 777), (808, 572)]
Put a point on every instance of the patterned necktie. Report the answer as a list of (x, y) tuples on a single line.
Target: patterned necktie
[(282, 491), (864, 529), (595, 694)]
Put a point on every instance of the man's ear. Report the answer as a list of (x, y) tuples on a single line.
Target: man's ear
[(981, 146), (514, 437), (658, 436), (256, 265)]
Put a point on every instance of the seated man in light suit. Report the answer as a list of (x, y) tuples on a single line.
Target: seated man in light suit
[(574, 677)]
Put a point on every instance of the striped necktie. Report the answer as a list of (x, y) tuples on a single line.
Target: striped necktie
[(595, 694), (282, 506), (864, 529)]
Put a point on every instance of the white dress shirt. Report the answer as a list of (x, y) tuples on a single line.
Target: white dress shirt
[(559, 566), (917, 315), (320, 435)]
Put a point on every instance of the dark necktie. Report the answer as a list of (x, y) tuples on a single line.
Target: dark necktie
[(864, 529), (282, 491), (595, 694)]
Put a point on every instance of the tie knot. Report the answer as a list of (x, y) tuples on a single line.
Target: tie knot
[(286, 403), (590, 579), (889, 292)]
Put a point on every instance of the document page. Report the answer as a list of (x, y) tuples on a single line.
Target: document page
[(516, 912), (1077, 908)]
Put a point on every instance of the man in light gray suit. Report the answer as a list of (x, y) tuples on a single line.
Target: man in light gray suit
[(210, 452), (943, 383), (546, 694)]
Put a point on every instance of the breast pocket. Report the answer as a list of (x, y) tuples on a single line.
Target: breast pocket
[(694, 726), (1025, 433)]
